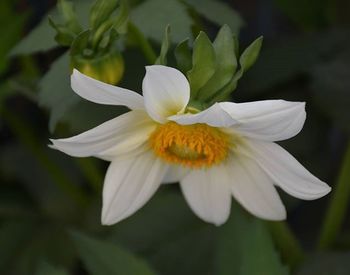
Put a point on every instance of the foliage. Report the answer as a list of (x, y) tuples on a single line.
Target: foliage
[(50, 204)]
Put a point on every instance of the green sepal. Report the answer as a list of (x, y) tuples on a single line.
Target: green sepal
[(70, 18), (226, 64), (64, 36), (81, 43), (101, 11), (246, 61), (162, 58), (250, 54), (122, 18), (204, 63), (183, 56), (117, 23), (67, 31)]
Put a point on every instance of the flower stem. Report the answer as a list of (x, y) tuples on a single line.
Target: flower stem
[(27, 137), (337, 207), (287, 243), (143, 43)]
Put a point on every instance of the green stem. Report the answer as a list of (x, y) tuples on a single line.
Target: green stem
[(143, 43), (27, 137), (287, 243), (337, 207), (91, 172)]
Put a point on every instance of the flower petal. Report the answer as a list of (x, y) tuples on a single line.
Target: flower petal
[(214, 116), (269, 120), (175, 174), (166, 92), (102, 93), (286, 171), (116, 136), (254, 189), (208, 193), (130, 182)]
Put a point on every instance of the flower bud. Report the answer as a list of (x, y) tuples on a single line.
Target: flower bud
[(108, 68)]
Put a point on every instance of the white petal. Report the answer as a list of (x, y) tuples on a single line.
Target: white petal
[(175, 174), (129, 184), (254, 189), (102, 93), (214, 116), (116, 136), (208, 194), (269, 120), (286, 171), (166, 92)]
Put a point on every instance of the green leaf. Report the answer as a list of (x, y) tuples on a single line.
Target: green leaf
[(162, 59), (45, 268), (181, 231), (152, 16), (101, 11), (183, 56), (204, 63), (103, 258), (226, 64), (246, 248), (55, 91), (41, 38), (218, 12), (250, 54)]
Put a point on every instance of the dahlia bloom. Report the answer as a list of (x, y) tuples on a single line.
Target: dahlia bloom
[(224, 151)]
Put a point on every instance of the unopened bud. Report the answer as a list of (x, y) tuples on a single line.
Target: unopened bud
[(108, 68)]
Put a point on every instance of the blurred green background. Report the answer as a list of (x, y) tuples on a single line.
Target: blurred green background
[(50, 203)]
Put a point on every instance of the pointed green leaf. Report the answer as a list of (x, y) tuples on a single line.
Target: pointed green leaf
[(162, 58), (183, 56), (250, 54), (55, 91), (204, 63), (101, 11), (104, 258), (226, 64)]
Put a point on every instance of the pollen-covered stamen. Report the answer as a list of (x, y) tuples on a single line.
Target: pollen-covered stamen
[(195, 146)]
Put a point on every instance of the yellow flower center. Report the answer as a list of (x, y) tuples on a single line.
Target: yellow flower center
[(194, 146)]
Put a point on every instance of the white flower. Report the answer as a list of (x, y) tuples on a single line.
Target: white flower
[(226, 150)]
